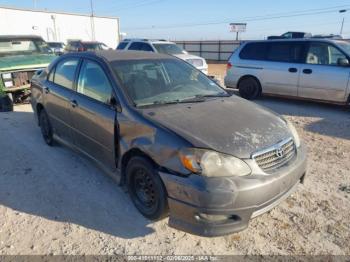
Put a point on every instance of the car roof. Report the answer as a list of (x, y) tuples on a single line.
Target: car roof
[(153, 41), (90, 42), (296, 40), (115, 55)]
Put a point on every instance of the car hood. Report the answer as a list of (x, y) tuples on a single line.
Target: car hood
[(187, 56), (228, 125), (19, 62)]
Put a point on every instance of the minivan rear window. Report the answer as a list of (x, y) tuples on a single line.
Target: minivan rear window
[(254, 51)]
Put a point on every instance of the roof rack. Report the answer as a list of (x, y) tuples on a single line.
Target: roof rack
[(144, 40)]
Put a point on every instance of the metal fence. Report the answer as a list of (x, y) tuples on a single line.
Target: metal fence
[(218, 50)]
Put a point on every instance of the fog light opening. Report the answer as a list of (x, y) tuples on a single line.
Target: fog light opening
[(210, 218)]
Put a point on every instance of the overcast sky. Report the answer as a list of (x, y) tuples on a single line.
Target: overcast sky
[(209, 19)]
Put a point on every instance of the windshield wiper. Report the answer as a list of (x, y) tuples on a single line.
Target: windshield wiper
[(178, 101), (214, 95)]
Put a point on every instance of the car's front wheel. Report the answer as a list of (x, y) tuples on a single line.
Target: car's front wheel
[(249, 88), (146, 189), (46, 128)]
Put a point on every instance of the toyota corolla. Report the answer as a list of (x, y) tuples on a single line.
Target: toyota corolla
[(180, 144)]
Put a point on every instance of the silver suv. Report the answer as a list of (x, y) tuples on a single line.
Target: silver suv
[(316, 69), (164, 47)]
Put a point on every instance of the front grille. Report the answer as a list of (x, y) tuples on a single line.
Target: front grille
[(195, 62), (276, 156)]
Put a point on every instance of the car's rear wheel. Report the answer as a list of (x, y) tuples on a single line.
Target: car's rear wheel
[(249, 88), (46, 128), (146, 189)]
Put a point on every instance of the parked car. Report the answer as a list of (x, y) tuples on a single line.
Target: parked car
[(20, 57), (57, 47), (291, 35), (177, 140), (331, 36), (315, 69), (82, 46), (164, 47)]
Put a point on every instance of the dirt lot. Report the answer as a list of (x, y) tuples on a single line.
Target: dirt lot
[(52, 201)]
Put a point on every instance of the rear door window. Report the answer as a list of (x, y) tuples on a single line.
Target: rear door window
[(65, 72), (285, 52), (135, 46)]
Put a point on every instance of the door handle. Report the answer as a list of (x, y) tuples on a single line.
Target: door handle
[(307, 71), (293, 70), (74, 103)]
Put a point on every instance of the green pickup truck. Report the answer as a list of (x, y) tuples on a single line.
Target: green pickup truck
[(20, 57)]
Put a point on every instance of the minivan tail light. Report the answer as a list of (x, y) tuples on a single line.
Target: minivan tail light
[(229, 66)]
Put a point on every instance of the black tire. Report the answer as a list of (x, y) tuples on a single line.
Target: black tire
[(6, 104), (146, 189), (46, 128), (249, 88)]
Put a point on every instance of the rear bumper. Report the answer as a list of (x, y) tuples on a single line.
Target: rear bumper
[(196, 202), (231, 78)]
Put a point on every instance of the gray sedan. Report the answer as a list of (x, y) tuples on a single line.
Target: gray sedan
[(181, 144)]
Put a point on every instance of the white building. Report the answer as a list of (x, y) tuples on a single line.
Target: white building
[(58, 26)]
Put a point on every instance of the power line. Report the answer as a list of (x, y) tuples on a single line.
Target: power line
[(250, 19)]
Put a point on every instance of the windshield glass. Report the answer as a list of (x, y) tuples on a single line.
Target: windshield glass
[(170, 49), (23, 46), (152, 82), (345, 46), (92, 46), (55, 45)]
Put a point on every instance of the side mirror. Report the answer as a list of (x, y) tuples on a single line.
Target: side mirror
[(38, 72), (115, 105), (343, 62)]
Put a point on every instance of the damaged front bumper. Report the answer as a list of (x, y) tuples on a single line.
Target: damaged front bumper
[(219, 206)]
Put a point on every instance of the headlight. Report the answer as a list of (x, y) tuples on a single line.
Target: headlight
[(8, 83), (6, 76), (294, 133), (213, 164)]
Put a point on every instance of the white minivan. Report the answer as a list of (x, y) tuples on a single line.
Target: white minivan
[(315, 69)]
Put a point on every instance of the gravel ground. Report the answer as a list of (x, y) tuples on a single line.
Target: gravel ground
[(53, 201)]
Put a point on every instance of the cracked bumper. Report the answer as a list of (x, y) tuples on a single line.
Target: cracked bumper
[(237, 199)]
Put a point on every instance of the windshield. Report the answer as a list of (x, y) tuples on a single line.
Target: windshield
[(55, 45), (163, 81), (10, 47), (92, 46), (170, 49), (345, 46)]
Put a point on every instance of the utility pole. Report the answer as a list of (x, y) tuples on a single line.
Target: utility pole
[(34, 3), (92, 21), (342, 24)]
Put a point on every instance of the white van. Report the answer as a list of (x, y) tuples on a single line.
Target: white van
[(316, 69)]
